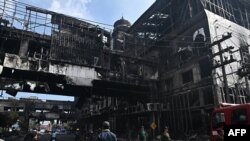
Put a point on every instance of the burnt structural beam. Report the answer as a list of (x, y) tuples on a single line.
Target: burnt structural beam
[(223, 63)]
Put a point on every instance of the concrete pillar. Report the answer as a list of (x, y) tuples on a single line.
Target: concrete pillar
[(24, 45)]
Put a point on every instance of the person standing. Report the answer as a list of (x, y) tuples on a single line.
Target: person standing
[(77, 135), (53, 136), (32, 136), (142, 134), (220, 136), (165, 136), (106, 134)]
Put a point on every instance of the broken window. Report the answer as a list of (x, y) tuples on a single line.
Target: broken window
[(187, 76), (185, 53), (205, 68), (199, 44)]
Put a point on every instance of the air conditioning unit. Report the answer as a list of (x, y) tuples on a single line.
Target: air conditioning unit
[(153, 106)]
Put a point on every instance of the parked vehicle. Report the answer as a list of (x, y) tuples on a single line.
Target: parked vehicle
[(229, 114)]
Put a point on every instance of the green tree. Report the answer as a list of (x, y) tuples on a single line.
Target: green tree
[(8, 119), (12, 118)]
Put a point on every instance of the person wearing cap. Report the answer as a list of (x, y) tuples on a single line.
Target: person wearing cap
[(165, 136), (106, 134)]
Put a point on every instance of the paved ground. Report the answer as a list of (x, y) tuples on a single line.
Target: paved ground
[(63, 137), (15, 138), (44, 137)]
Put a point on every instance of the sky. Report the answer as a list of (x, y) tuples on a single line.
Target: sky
[(102, 11)]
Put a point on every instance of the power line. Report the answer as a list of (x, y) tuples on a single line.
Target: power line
[(25, 4)]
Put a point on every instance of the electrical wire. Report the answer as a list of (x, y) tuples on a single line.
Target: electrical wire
[(21, 17), (96, 22)]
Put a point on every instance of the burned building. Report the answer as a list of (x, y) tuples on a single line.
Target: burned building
[(36, 108), (195, 53), (202, 50), (47, 52), (178, 61), (44, 51)]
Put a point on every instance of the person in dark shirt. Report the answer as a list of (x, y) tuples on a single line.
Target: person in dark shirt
[(32, 136), (106, 134)]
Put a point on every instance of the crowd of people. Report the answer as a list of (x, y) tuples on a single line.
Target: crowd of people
[(107, 135)]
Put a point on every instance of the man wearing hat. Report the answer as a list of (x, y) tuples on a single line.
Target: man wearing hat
[(165, 136), (106, 134)]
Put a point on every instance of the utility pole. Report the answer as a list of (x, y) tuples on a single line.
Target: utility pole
[(223, 62)]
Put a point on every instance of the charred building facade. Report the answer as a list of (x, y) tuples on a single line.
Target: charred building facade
[(202, 50), (178, 61), (47, 52), (195, 54)]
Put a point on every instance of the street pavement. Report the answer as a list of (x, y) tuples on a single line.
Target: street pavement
[(59, 137), (44, 137)]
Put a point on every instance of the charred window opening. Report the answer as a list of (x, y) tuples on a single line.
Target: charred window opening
[(37, 51), (205, 68), (187, 77), (199, 45), (185, 54), (10, 45)]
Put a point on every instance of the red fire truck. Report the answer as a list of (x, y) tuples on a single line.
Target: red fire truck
[(229, 114)]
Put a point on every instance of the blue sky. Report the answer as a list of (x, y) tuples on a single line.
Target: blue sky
[(104, 11)]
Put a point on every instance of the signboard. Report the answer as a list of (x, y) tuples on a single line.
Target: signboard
[(52, 116), (153, 125)]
